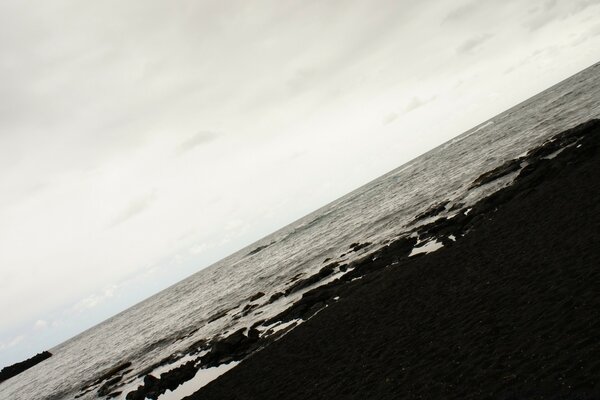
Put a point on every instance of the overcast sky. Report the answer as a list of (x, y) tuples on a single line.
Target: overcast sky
[(141, 141)]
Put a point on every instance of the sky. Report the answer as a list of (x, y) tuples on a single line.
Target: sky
[(141, 141)]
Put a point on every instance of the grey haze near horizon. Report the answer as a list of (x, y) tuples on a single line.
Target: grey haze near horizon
[(142, 141)]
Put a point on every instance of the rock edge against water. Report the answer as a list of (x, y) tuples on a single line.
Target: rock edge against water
[(15, 369)]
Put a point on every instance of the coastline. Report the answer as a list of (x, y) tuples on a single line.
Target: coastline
[(330, 304), (505, 310)]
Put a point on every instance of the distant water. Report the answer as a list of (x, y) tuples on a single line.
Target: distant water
[(378, 211)]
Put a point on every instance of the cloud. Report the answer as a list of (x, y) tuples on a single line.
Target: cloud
[(391, 117), (593, 32), (581, 5), (544, 53), (541, 20), (198, 139), (550, 11), (549, 5), (584, 37), (414, 103), (11, 343), (417, 102), (303, 79), (461, 12), (473, 43), (198, 248), (40, 325), (134, 208), (95, 299)]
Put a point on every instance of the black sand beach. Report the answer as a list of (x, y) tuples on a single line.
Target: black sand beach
[(509, 310)]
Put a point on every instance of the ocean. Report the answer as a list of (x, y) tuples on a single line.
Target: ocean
[(170, 321)]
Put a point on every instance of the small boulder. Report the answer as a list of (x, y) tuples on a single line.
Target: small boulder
[(256, 296)]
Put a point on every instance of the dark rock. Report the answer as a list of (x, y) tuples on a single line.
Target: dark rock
[(150, 380), (276, 296), (153, 387), (314, 300), (444, 227), (120, 369), (432, 211), (83, 392), (316, 308), (256, 324), (171, 379), (397, 249), (309, 303), (189, 334), (15, 369), (311, 280), (256, 296), (197, 346), (253, 334), (457, 206), (233, 347), (108, 386), (218, 315), (496, 173), (383, 257), (167, 360), (535, 173), (359, 246), (247, 310), (259, 249), (150, 387), (446, 242), (561, 140), (137, 394)]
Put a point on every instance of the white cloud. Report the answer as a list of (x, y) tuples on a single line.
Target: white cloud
[(198, 248), (551, 11), (197, 140), (461, 12), (134, 208), (12, 342), (417, 102), (94, 300), (389, 118), (472, 44), (40, 325)]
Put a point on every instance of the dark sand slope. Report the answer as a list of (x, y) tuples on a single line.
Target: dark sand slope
[(511, 310)]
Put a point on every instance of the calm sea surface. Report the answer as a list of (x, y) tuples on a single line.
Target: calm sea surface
[(148, 332)]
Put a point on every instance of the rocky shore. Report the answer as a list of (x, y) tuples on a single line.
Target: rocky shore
[(505, 307), (508, 308)]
